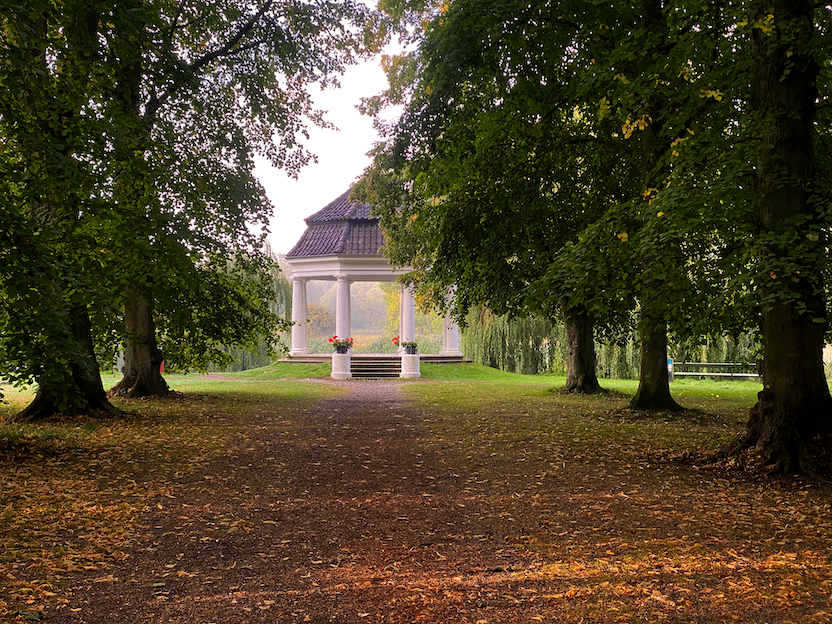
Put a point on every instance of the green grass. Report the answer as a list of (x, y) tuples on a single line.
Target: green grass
[(478, 372), (471, 397), (717, 396), (286, 370)]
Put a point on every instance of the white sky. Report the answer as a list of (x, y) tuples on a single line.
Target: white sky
[(341, 156)]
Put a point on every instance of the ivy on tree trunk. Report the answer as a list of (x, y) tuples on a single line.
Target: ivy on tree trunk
[(80, 390)]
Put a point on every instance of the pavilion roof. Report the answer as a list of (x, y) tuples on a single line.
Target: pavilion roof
[(340, 228)]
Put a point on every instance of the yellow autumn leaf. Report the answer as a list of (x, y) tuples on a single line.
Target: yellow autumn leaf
[(603, 108), (711, 93), (766, 24), (623, 237)]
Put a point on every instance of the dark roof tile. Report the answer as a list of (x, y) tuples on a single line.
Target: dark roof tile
[(340, 208), (341, 228)]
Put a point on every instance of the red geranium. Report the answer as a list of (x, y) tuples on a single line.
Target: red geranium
[(341, 342)]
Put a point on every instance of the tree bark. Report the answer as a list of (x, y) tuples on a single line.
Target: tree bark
[(795, 404), (81, 391), (580, 352), (142, 356), (653, 384)]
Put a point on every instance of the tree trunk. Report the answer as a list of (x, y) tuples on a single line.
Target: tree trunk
[(142, 356), (795, 404), (580, 352), (653, 387), (80, 391), (653, 384)]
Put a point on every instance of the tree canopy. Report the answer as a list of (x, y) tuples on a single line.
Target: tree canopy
[(129, 132), (652, 157)]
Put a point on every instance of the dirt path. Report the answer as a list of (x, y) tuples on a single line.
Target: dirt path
[(337, 515)]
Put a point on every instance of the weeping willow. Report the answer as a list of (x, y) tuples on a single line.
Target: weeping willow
[(520, 345), (281, 305), (533, 345)]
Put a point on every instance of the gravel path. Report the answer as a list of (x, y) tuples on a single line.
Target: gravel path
[(334, 514)]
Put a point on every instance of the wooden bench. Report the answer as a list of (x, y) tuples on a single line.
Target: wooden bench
[(714, 369)]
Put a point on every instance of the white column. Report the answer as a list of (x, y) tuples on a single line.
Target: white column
[(401, 317), (450, 337), (299, 334), (342, 308), (408, 316)]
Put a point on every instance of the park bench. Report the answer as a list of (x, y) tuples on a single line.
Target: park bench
[(713, 369)]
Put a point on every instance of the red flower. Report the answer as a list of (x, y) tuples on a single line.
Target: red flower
[(396, 340)]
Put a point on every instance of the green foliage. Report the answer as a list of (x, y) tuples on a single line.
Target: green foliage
[(618, 359), (531, 346), (321, 321), (521, 345), (128, 135)]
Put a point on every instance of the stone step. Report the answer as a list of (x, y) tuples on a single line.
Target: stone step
[(375, 368), (425, 358)]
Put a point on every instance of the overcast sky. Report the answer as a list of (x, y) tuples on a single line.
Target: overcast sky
[(341, 156)]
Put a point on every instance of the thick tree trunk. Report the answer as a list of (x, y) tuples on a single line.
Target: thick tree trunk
[(580, 352), (653, 384), (142, 357), (795, 404), (81, 392)]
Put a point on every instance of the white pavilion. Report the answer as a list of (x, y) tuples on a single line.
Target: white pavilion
[(342, 242)]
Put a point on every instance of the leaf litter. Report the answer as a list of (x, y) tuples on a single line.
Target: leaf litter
[(378, 506)]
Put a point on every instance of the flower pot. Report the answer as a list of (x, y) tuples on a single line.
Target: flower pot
[(410, 349), (341, 349)]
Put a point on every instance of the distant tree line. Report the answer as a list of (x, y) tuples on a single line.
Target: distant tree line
[(534, 345)]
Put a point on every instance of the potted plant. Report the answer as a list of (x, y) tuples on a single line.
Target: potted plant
[(409, 345), (342, 345)]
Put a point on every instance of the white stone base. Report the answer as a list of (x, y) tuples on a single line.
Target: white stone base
[(410, 366), (451, 353), (341, 366)]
